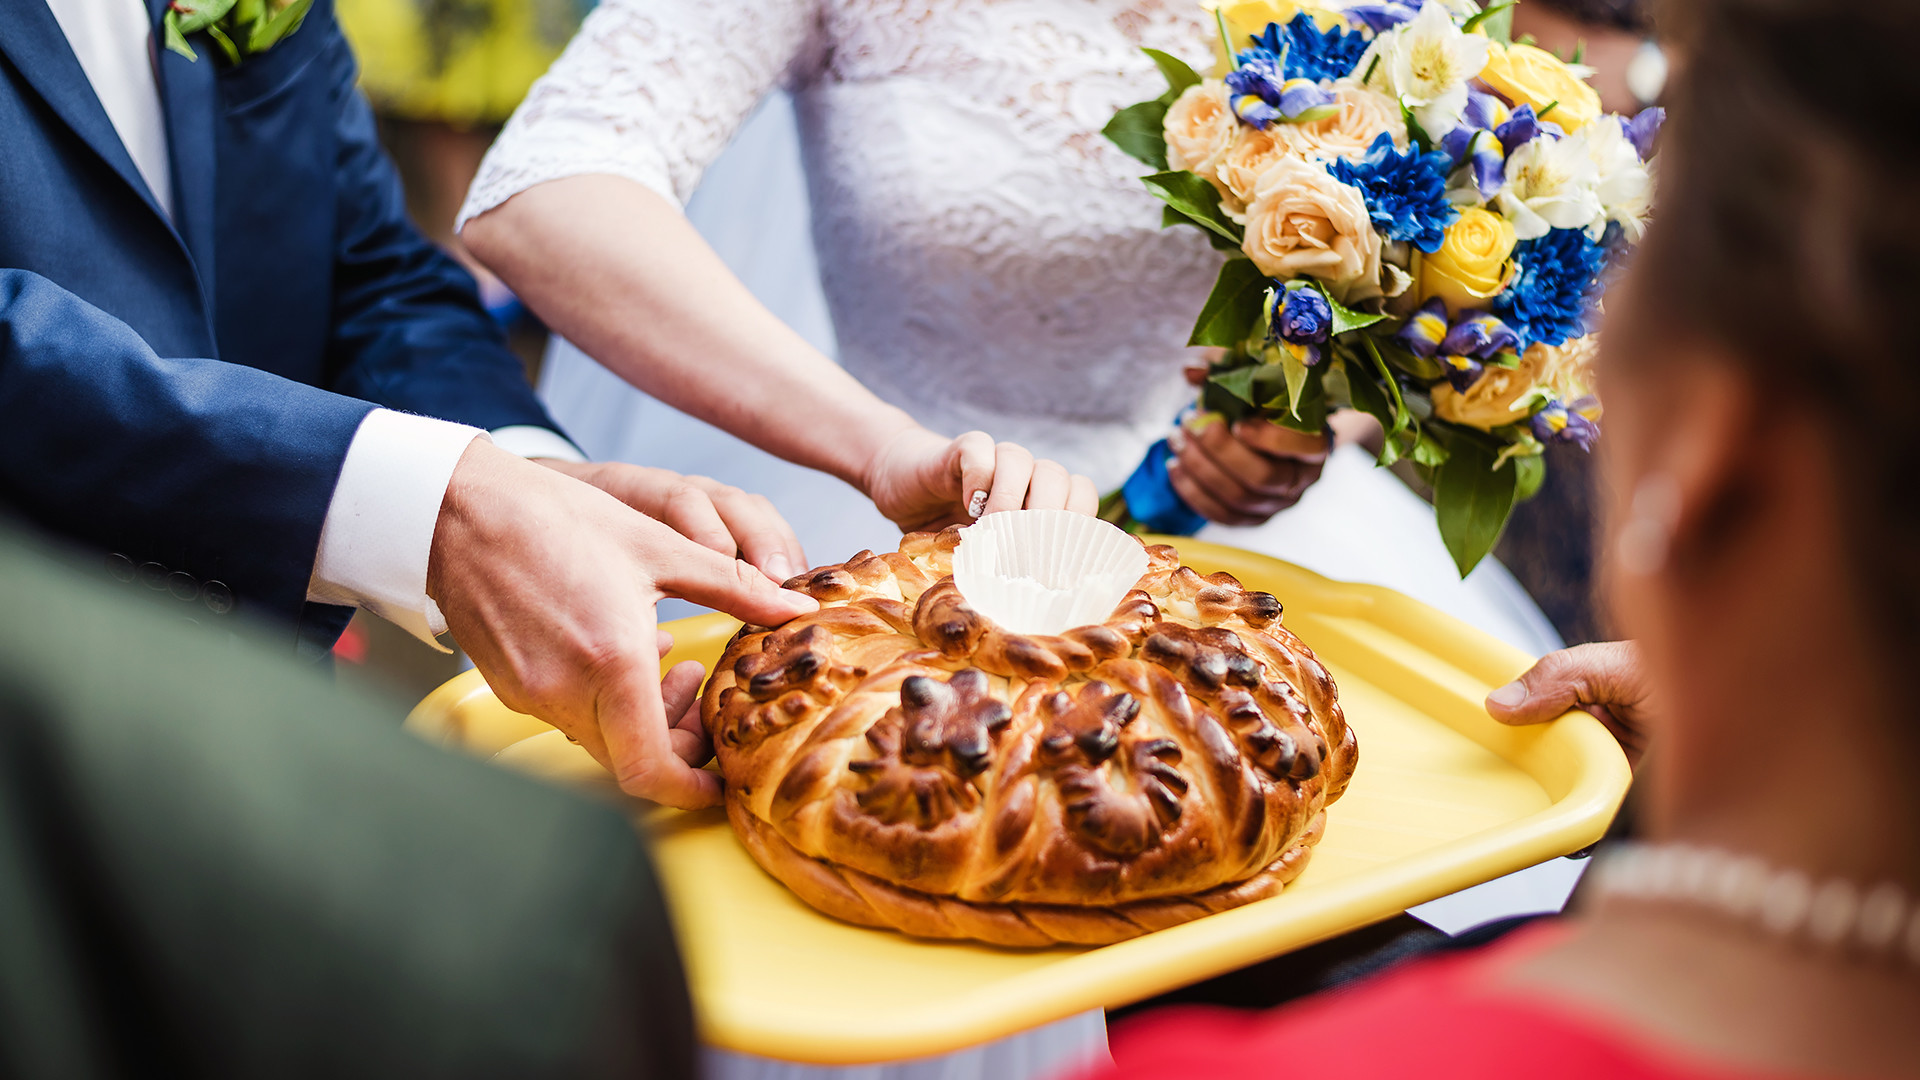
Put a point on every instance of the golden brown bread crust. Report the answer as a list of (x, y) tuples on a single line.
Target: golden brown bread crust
[(900, 760)]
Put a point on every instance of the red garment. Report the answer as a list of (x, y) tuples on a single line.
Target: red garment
[(1440, 1019)]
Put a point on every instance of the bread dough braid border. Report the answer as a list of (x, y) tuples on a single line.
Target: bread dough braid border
[(865, 900)]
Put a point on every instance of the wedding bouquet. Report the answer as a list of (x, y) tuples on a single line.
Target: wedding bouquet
[(1419, 214)]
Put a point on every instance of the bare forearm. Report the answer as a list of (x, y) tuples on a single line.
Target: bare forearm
[(621, 273)]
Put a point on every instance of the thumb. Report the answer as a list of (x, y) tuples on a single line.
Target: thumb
[(684, 569), (1603, 673)]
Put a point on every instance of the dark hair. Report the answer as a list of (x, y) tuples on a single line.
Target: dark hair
[(1788, 230)]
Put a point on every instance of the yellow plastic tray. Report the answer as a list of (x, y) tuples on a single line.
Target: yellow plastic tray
[(1444, 798)]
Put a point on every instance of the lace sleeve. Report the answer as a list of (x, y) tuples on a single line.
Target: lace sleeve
[(650, 90)]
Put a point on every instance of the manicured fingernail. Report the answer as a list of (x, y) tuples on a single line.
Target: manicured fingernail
[(1510, 696), (778, 568), (977, 505)]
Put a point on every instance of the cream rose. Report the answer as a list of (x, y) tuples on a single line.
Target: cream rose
[(1253, 152), (1304, 222), (1364, 114), (1200, 127), (1489, 402)]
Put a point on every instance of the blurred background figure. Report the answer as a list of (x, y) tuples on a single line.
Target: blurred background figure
[(214, 861)]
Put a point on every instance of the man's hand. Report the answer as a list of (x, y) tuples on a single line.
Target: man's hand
[(1604, 679), (705, 511), (1243, 473), (922, 481), (550, 584)]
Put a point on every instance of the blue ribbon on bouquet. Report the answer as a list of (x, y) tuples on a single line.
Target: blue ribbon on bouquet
[(1151, 500)]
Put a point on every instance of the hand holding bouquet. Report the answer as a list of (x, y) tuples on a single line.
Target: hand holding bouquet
[(1418, 215)]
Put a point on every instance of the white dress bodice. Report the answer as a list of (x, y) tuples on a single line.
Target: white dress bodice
[(989, 258)]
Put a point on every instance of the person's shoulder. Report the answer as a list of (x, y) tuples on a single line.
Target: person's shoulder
[(1435, 1019)]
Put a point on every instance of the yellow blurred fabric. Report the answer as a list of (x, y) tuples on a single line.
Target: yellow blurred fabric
[(461, 62)]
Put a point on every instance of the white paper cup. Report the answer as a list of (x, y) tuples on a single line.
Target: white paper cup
[(1045, 571)]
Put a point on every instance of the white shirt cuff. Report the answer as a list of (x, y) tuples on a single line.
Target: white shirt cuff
[(378, 534), (531, 441)]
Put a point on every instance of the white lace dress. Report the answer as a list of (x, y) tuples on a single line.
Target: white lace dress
[(988, 260)]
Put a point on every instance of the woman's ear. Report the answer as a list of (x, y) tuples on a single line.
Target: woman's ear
[(1713, 461)]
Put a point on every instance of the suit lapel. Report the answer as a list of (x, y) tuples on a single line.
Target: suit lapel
[(190, 96), (38, 49)]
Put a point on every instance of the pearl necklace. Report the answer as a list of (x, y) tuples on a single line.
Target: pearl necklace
[(1786, 903)]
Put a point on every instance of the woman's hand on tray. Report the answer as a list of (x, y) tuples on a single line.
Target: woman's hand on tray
[(1605, 679), (923, 481)]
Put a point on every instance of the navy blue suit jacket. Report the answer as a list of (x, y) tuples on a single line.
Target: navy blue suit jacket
[(183, 390)]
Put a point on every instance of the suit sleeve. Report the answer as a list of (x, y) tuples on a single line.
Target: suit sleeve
[(220, 470), (408, 328)]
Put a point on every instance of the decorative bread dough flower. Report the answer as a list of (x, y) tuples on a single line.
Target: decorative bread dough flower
[(1199, 127), (1426, 63), (1364, 115), (1550, 185), (1494, 399), (1623, 182), (1303, 222), (1528, 75), (1471, 266)]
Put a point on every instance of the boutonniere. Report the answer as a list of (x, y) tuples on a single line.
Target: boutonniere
[(239, 27)]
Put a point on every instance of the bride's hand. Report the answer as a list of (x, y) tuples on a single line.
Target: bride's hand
[(707, 512), (922, 481), (1243, 473)]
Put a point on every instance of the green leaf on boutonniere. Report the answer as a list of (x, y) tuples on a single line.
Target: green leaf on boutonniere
[(1295, 374), (1401, 417), (268, 32), (1232, 307), (1428, 451), (1532, 472), (1198, 200), (1334, 384), (1472, 499), (1426, 369)]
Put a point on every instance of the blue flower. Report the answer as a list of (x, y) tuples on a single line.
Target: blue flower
[(1425, 329), (1555, 286), (1259, 97), (1462, 372), (1380, 18), (1643, 129), (1307, 53), (1573, 423), (1478, 335), (1406, 193), (1304, 317), (1523, 127)]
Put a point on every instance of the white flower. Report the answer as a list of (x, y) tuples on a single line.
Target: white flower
[(1623, 183), (1426, 62), (1550, 185)]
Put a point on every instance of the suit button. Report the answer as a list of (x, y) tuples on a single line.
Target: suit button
[(183, 585), (153, 575), (121, 567), (217, 597)]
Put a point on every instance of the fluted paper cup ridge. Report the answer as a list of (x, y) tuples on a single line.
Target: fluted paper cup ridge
[(1045, 571)]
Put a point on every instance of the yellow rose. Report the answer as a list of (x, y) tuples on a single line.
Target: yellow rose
[(1489, 402), (1249, 18), (1527, 75), (1199, 127), (1471, 266), (1303, 222)]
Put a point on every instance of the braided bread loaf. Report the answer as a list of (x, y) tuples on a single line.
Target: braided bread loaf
[(899, 760)]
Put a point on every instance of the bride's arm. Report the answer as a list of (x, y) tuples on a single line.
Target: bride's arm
[(620, 272), (576, 207)]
